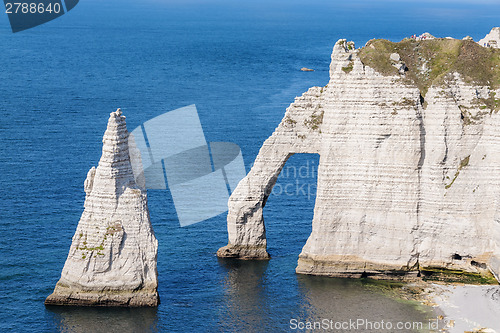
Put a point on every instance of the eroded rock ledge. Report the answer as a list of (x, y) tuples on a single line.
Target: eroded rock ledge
[(408, 180), (112, 259)]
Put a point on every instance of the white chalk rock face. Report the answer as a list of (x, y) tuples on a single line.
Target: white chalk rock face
[(492, 39), (404, 182), (112, 259)]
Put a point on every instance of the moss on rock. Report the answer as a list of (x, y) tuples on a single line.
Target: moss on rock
[(430, 62), (456, 276)]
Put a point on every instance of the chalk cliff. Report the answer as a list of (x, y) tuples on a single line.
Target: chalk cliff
[(112, 259), (492, 39), (408, 180)]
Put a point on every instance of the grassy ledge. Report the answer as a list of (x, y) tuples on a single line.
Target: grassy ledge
[(463, 164), (347, 69), (430, 62)]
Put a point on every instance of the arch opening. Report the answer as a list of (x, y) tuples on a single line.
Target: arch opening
[(290, 206), (291, 184)]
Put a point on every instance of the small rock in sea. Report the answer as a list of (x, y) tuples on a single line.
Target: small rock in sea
[(305, 69)]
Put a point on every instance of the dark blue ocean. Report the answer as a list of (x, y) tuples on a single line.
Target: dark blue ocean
[(239, 62)]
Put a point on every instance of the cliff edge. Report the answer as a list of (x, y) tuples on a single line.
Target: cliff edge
[(112, 259), (492, 39), (408, 182)]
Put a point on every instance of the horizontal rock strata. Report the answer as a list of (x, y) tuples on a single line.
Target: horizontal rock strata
[(408, 176), (112, 259)]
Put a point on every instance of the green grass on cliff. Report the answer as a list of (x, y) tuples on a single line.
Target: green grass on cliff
[(430, 62)]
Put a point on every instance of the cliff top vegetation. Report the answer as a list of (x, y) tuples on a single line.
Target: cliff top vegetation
[(431, 62)]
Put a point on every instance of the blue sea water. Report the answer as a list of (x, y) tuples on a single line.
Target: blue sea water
[(239, 63)]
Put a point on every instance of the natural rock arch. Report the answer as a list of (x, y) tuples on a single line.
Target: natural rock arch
[(299, 132), (404, 183)]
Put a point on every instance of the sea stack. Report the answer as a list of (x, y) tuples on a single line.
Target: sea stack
[(408, 177), (112, 259)]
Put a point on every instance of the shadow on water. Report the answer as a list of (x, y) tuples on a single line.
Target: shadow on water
[(244, 295), (345, 300), (98, 319)]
